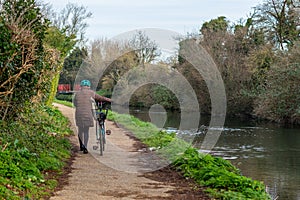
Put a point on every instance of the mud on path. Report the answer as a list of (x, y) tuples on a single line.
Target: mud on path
[(119, 174)]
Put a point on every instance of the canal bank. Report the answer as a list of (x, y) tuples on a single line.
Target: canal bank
[(262, 151), (221, 178)]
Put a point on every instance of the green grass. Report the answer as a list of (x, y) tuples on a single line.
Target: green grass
[(66, 103), (29, 151)]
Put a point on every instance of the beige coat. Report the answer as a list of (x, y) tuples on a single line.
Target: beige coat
[(83, 104)]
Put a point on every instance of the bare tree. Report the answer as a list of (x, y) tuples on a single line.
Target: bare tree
[(108, 60), (71, 19), (145, 49)]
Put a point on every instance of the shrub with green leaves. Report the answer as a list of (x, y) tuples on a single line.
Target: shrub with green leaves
[(31, 147), (281, 102), (65, 97), (22, 59), (220, 176)]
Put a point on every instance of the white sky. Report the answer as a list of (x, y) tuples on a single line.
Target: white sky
[(113, 17)]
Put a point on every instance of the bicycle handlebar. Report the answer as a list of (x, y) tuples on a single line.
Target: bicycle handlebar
[(100, 106), (99, 114)]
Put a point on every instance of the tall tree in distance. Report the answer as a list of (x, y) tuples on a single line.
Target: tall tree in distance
[(71, 65), (72, 21), (220, 25), (279, 19), (213, 38), (229, 46), (146, 50), (108, 59)]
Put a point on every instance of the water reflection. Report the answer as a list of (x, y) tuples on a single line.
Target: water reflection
[(262, 151)]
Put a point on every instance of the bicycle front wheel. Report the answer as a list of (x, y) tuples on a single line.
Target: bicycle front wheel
[(103, 138), (101, 141)]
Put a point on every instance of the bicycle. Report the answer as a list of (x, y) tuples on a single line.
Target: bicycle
[(101, 131)]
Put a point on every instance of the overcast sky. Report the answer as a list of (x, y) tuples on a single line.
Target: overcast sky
[(113, 17)]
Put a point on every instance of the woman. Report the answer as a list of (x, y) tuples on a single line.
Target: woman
[(83, 114)]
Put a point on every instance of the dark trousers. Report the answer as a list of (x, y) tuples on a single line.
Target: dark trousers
[(83, 136)]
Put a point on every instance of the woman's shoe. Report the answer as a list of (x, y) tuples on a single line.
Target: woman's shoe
[(82, 147), (85, 151)]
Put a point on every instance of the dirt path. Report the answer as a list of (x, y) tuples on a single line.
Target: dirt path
[(124, 172)]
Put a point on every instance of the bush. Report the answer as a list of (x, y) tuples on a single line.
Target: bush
[(65, 97), (105, 93), (223, 179), (30, 150), (279, 100), (22, 61)]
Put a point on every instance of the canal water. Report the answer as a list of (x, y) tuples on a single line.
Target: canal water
[(262, 151)]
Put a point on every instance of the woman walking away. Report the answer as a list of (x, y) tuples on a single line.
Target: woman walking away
[(83, 114)]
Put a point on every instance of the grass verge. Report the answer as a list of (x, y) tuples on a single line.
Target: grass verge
[(66, 103), (32, 149)]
